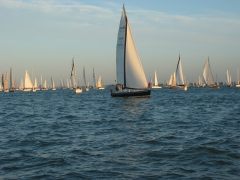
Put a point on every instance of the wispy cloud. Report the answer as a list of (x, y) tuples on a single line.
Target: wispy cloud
[(54, 6)]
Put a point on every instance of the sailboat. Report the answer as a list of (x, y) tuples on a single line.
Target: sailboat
[(238, 79), (229, 79), (208, 75), (53, 84), (131, 79), (99, 84), (28, 86), (11, 84), (76, 88), (5, 82), (172, 81), (94, 79), (155, 82), (180, 81), (200, 82), (84, 79)]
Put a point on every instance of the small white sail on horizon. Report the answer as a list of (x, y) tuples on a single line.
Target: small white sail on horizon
[(53, 84), (99, 84), (155, 81), (84, 79), (28, 86), (11, 83), (208, 75), (229, 78)]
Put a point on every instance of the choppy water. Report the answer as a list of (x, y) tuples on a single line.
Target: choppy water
[(172, 135)]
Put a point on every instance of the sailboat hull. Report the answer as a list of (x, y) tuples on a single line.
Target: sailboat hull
[(131, 93)]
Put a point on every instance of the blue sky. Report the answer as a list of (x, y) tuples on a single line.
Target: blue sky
[(43, 36)]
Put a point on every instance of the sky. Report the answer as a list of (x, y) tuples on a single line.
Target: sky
[(43, 36)]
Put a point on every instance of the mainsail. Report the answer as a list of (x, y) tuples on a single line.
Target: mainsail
[(129, 69), (207, 74)]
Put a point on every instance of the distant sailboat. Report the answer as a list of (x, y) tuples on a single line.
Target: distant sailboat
[(180, 81), (200, 82), (84, 79), (1, 87), (5, 82), (131, 79), (94, 79), (44, 86), (238, 79), (155, 82), (11, 84), (53, 84), (76, 88), (99, 84), (172, 83), (35, 86), (28, 86), (208, 75), (229, 79)]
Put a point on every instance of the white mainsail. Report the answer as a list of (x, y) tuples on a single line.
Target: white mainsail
[(129, 69), (27, 81), (207, 74)]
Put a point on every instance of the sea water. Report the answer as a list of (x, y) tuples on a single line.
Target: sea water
[(171, 135)]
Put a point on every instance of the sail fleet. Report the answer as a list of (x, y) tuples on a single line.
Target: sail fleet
[(130, 76)]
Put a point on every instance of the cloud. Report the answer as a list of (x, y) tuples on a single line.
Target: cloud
[(54, 6)]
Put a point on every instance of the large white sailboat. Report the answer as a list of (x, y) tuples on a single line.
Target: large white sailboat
[(28, 86), (208, 75), (180, 80), (229, 79), (73, 76), (155, 82), (131, 79)]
